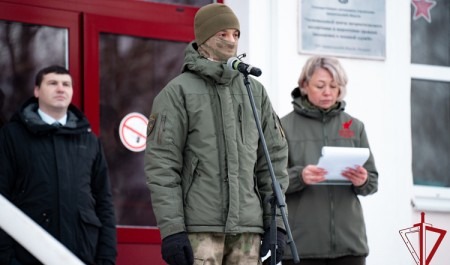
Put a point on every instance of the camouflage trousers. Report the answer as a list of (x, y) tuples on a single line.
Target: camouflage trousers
[(225, 249)]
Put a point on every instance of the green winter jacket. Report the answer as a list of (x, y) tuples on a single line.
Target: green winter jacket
[(205, 167), (326, 220)]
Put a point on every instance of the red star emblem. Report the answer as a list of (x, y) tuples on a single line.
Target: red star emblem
[(422, 9)]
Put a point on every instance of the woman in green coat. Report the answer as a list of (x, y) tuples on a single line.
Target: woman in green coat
[(326, 220)]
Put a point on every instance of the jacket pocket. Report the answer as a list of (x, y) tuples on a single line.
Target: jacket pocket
[(189, 173), (88, 234), (43, 218), (255, 187), (162, 128)]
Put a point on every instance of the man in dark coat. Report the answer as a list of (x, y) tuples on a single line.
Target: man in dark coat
[(52, 168)]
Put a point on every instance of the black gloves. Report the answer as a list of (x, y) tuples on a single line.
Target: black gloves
[(281, 243), (176, 250)]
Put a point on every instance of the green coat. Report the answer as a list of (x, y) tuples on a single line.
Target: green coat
[(326, 220), (205, 167)]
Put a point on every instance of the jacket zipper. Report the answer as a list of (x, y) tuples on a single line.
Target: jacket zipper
[(241, 122)]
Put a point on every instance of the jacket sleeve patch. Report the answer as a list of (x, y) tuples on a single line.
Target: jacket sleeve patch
[(151, 123), (278, 125)]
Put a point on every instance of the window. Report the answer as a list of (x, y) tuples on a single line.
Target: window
[(430, 104)]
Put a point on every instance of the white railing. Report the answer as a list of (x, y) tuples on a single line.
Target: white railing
[(34, 238)]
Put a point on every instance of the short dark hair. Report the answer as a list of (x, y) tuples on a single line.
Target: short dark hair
[(48, 70)]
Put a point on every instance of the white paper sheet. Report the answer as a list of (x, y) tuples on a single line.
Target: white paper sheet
[(336, 159)]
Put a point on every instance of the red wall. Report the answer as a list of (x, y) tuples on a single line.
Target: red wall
[(139, 246)]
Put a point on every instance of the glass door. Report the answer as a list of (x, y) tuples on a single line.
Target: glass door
[(29, 42), (128, 62)]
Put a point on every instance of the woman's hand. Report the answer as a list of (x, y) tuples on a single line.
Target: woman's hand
[(357, 175), (312, 174)]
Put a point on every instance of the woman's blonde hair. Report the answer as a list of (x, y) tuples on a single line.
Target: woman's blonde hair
[(328, 63)]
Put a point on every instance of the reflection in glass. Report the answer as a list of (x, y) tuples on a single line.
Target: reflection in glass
[(132, 72), (430, 127), (24, 50), (430, 39)]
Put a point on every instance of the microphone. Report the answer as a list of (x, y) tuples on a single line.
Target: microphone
[(235, 64)]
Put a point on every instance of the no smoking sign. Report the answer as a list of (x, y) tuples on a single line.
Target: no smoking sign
[(132, 131)]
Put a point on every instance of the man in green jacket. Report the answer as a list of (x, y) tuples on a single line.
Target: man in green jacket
[(205, 166)]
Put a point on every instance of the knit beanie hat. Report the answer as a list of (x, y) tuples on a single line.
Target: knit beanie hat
[(211, 19)]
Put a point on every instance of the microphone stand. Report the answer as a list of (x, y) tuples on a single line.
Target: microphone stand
[(276, 200)]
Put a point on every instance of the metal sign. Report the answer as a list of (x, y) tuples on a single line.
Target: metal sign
[(132, 131), (347, 28)]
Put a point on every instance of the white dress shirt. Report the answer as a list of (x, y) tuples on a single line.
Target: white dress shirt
[(48, 119)]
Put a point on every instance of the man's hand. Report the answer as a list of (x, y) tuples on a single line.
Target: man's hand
[(176, 250)]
